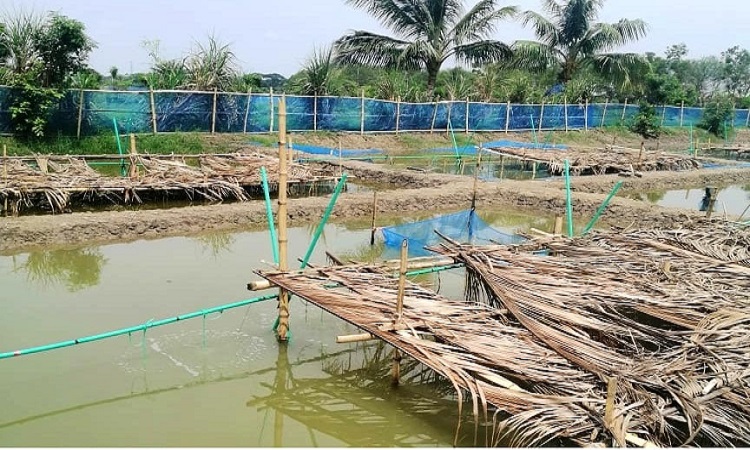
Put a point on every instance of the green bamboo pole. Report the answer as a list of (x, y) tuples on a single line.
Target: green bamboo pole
[(568, 199), (601, 209), (142, 327), (321, 225), (123, 172), (269, 215)]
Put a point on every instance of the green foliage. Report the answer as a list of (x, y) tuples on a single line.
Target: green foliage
[(570, 40), (63, 47), (441, 30), (646, 123), (31, 105), (736, 71), (319, 76), (246, 82), (717, 115)]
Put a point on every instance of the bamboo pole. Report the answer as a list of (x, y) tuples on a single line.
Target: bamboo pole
[(362, 114), (568, 199), (434, 117), (476, 181), (663, 114), (247, 109), (398, 112), (565, 103), (448, 124), (624, 110), (80, 114), (315, 111), (402, 279), (586, 115), (133, 169), (541, 116), (362, 337), (153, 110), (467, 116), (5, 175), (747, 121), (270, 99), (557, 231), (507, 117), (213, 112), (374, 216), (283, 327), (682, 112), (604, 114)]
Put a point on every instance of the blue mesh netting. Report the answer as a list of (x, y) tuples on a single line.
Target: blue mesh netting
[(513, 144), (319, 150), (193, 111), (463, 226)]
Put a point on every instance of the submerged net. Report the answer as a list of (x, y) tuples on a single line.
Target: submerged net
[(329, 151), (463, 226)]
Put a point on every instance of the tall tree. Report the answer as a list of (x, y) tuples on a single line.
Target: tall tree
[(737, 71), (428, 32), (570, 39)]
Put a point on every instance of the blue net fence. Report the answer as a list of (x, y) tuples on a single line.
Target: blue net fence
[(463, 226), (91, 112)]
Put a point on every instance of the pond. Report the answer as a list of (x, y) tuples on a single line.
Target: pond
[(732, 199), (218, 380)]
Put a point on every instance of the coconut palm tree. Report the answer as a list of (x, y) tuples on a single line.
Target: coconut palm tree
[(428, 32), (570, 39)]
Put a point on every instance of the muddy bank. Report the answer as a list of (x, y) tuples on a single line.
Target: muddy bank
[(443, 193)]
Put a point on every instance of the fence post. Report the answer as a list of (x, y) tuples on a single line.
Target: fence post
[(747, 122), (541, 116), (80, 114), (247, 109), (586, 115), (663, 115), (213, 112), (604, 114), (362, 115), (507, 117), (434, 116), (467, 115), (315, 111), (270, 99), (153, 110), (682, 112), (624, 109), (448, 123), (398, 112), (565, 105)]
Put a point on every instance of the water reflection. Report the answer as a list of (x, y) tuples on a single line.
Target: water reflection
[(75, 269), (357, 405), (216, 243)]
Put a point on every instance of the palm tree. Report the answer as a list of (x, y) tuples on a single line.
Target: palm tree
[(320, 75), (428, 32), (571, 40)]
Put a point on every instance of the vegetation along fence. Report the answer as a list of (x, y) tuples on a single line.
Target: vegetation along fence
[(88, 112)]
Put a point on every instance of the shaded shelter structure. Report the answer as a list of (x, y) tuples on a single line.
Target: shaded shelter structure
[(624, 338)]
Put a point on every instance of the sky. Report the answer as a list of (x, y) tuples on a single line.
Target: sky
[(279, 35)]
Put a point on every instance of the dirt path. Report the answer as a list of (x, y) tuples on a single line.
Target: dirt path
[(413, 193)]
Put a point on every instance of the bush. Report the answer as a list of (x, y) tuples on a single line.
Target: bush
[(716, 115), (646, 123)]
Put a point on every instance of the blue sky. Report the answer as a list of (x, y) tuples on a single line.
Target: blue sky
[(278, 35)]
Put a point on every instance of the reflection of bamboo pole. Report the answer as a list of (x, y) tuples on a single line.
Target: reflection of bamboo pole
[(80, 114), (153, 110), (502, 166), (247, 109), (374, 216), (283, 328)]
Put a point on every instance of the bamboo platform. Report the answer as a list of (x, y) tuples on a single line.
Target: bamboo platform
[(635, 338), (612, 160), (56, 183)]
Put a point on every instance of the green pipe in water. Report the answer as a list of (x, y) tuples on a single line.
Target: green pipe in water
[(568, 199), (143, 327), (123, 172), (601, 209), (269, 215), (326, 215)]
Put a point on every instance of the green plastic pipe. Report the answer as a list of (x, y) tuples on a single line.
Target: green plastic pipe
[(568, 199), (601, 209), (269, 215), (143, 327), (326, 215), (123, 172)]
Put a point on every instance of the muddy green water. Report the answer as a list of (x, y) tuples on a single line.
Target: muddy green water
[(219, 382), (732, 199)]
